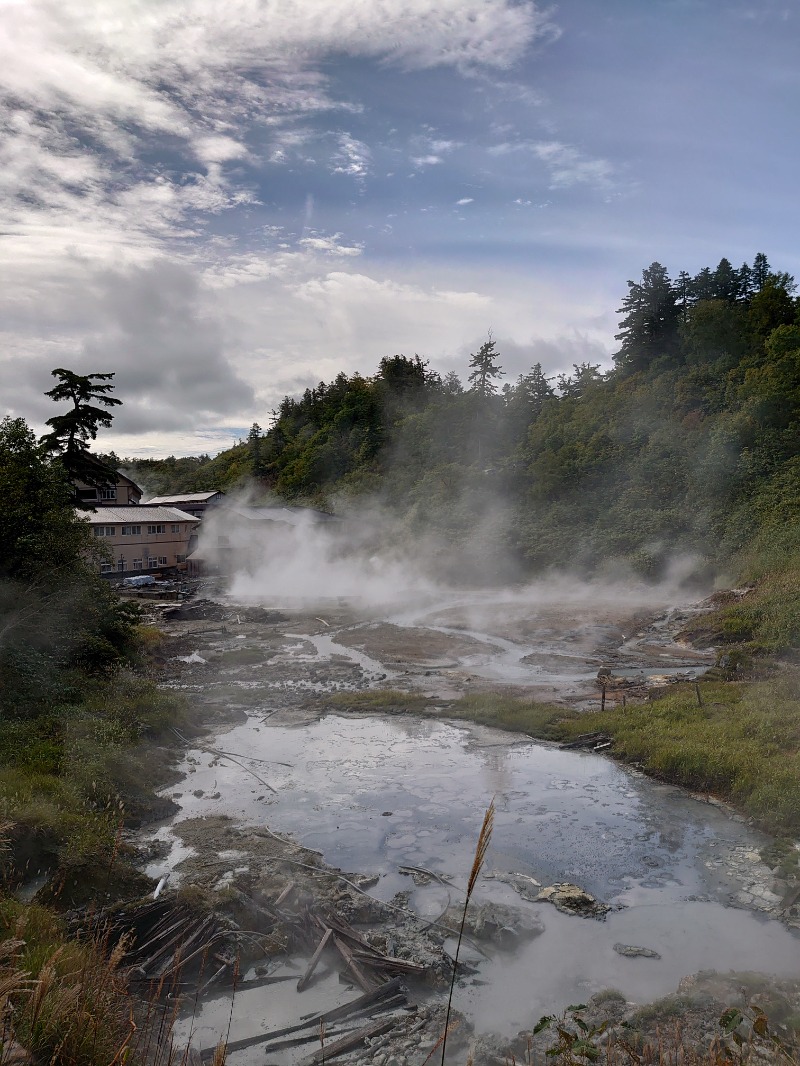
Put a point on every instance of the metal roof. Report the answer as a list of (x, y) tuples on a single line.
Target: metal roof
[(136, 514), (185, 497), (293, 516)]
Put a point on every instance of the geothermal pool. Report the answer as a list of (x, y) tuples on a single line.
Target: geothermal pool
[(373, 794)]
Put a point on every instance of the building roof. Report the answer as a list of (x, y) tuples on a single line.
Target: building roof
[(137, 513), (185, 497), (293, 516)]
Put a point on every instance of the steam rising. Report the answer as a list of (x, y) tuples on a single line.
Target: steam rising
[(368, 560)]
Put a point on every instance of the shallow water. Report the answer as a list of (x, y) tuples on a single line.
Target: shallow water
[(372, 794)]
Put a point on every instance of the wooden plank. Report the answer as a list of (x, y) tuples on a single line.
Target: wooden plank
[(303, 982), (284, 895), (306, 1037), (390, 988), (386, 962), (367, 982), (352, 1040)]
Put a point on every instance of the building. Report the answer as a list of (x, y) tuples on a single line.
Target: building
[(193, 503), (143, 538), (117, 490)]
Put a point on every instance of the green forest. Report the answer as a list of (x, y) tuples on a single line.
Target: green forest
[(688, 445)]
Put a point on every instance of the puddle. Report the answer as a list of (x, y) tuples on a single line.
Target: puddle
[(373, 794), (326, 647)]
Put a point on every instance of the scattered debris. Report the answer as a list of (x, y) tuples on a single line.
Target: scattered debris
[(524, 885), (195, 657), (569, 899), (631, 951), (589, 742)]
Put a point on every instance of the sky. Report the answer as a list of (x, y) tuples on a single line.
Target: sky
[(225, 203)]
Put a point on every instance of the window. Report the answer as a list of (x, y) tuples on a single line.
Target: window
[(105, 531), (131, 531), (106, 568), (156, 529), (108, 493), (180, 558), (122, 566), (137, 564), (162, 560), (152, 562), (176, 528)]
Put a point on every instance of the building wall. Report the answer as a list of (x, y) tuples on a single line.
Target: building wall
[(123, 494), (138, 551)]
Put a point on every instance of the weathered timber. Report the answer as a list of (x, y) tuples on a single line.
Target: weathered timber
[(352, 1040), (363, 979), (388, 962), (284, 895), (303, 982), (263, 982), (390, 988), (309, 1035)]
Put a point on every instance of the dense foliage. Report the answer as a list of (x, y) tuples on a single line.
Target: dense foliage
[(59, 620)]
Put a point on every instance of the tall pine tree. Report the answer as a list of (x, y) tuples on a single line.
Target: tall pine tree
[(650, 326)]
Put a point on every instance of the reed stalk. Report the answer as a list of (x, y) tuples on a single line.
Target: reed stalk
[(481, 848)]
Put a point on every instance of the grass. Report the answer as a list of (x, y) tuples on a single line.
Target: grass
[(765, 622), (70, 777), (386, 700), (742, 745), (68, 1001)]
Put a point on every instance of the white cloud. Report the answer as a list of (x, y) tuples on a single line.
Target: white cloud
[(330, 245), (128, 129), (568, 166), (465, 200), (353, 157)]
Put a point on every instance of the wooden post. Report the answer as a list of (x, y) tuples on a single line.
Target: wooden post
[(697, 693), (603, 698)]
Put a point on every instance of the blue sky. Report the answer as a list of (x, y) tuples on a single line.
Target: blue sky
[(224, 203)]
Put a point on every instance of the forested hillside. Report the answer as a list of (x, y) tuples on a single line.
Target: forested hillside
[(690, 443)]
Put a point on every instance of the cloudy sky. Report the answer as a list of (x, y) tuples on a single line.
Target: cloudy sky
[(226, 202)]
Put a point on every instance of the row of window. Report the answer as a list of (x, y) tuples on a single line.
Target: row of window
[(152, 562), (134, 531)]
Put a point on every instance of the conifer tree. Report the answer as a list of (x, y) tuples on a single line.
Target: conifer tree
[(70, 433), (649, 328), (484, 369)]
